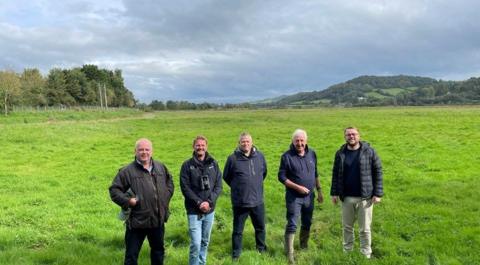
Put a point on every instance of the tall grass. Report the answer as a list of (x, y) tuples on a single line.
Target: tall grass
[(54, 175)]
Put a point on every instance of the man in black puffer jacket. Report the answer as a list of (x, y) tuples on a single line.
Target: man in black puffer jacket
[(151, 184), (245, 171), (201, 184), (357, 181)]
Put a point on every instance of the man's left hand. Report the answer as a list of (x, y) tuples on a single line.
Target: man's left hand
[(376, 199)]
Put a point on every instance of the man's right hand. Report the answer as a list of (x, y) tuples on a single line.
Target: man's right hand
[(204, 207), (334, 199), (132, 202)]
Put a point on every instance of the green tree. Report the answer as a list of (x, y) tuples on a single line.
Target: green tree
[(9, 88), (57, 89), (32, 88)]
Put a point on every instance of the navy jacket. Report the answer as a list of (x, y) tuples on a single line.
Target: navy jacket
[(301, 170), (371, 176), (192, 187), (245, 177)]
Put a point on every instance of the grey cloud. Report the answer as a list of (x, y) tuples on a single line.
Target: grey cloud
[(233, 51)]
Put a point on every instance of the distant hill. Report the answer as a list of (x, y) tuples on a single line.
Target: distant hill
[(386, 90)]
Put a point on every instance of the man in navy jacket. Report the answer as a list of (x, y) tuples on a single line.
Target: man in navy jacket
[(245, 171), (298, 172)]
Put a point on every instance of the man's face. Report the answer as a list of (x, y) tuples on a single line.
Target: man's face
[(200, 147), (144, 151), (299, 142), (352, 137), (245, 144)]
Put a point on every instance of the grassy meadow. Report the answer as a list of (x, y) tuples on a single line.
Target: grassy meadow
[(56, 168)]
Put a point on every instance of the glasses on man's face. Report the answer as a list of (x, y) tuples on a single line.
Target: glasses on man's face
[(351, 134)]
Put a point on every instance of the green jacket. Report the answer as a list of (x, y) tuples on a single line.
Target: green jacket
[(153, 192)]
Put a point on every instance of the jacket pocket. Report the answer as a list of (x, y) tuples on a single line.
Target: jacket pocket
[(140, 219)]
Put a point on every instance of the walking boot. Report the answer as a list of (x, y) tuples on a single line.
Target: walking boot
[(304, 236), (289, 250)]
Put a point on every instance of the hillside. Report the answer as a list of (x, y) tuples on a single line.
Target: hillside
[(386, 90)]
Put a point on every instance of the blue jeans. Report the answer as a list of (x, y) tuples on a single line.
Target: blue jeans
[(199, 229), (299, 207)]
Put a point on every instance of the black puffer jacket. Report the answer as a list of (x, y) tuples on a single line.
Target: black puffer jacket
[(192, 187), (371, 176), (245, 177), (153, 191)]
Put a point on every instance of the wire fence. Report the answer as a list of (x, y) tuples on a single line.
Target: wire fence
[(58, 108)]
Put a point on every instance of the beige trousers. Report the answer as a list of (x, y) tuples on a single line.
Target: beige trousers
[(362, 209)]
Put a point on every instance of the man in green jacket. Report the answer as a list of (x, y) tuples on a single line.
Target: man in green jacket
[(152, 185)]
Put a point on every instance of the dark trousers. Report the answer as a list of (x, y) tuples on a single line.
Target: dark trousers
[(240, 214), (134, 239), (296, 207)]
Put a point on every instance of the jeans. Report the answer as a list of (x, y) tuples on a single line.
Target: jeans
[(199, 229), (299, 206), (134, 239), (352, 206), (240, 214)]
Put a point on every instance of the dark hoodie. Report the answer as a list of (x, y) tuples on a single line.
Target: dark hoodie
[(245, 177), (194, 191), (301, 170)]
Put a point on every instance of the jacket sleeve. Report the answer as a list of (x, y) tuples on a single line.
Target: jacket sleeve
[(217, 189), (334, 188), (316, 167), (377, 175), (228, 171), (264, 166), (169, 183), (118, 189), (185, 185), (283, 169)]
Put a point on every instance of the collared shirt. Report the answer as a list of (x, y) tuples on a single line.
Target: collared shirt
[(150, 167)]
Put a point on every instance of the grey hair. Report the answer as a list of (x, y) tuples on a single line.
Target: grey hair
[(298, 132), (244, 134), (142, 140)]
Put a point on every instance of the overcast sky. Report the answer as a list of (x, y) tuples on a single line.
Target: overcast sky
[(241, 50)]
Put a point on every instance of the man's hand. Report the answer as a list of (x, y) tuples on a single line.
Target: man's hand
[(302, 190), (320, 197), (376, 199), (204, 207), (132, 202), (335, 199)]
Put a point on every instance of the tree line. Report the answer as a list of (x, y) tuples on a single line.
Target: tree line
[(388, 90), (157, 105), (81, 86)]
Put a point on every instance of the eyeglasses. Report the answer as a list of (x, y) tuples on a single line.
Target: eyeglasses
[(351, 134)]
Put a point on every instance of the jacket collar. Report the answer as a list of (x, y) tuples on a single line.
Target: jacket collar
[(363, 146), (208, 159), (294, 151), (239, 152), (139, 164)]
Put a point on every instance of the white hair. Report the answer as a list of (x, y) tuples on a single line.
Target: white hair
[(141, 140), (299, 132)]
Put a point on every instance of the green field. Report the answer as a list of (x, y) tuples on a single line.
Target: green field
[(57, 166)]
